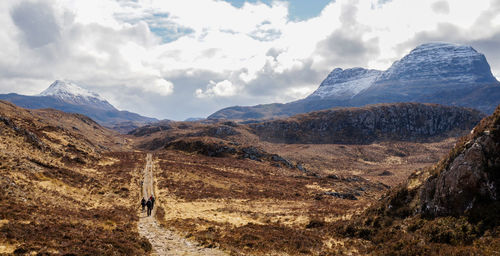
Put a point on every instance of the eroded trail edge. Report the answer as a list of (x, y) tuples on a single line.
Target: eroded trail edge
[(164, 241)]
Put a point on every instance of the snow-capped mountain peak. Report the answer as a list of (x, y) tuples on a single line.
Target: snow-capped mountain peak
[(443, 63), (68, 90), (76, 95)]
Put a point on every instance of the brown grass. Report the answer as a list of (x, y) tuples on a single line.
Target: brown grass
[(250, 207)]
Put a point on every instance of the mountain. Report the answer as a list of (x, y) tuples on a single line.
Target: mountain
[(69, 97), (438, 73), (73, 94), (441, 73)]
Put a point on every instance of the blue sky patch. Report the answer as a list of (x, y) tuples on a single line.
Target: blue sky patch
[(298, 10)]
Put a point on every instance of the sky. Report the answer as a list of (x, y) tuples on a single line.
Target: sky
[(175, 59)]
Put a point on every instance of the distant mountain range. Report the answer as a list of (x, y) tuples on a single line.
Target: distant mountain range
[(441, 73), (69, 97)]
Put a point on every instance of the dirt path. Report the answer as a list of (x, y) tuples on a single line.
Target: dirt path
[(165, 242)]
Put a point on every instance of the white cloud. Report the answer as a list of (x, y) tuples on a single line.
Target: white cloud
[(161, 86), (124, 49), (221, 89)]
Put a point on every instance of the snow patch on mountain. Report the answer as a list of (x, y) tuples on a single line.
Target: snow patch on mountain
[(73, 94), (439, 62), (346, 83), (69, 91)]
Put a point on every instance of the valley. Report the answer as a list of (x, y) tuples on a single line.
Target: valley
[(249, 128), (71, 186)]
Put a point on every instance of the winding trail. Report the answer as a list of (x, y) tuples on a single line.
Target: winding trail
[(164, 242)]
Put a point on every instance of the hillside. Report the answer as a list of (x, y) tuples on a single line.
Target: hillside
[(401, 122), (440, 73), (452, 207), (71, 98), (62, 188)]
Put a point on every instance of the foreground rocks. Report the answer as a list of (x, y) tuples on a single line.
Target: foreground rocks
[(469, 180)]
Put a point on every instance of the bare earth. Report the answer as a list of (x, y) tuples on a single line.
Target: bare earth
[(164, 242)]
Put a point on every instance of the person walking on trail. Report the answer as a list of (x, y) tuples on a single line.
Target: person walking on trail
[(143, 204), (149, 204), (152, 198)]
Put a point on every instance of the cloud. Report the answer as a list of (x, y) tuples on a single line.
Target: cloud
[(37, 22), (441, 7), (221, 89), (169, 60), (161, 86)]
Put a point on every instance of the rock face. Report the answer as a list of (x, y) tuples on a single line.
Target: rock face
[(401, 121), (69, 97), (469, 180), (440, 73)]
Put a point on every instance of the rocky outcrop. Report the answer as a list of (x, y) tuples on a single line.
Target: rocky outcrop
[(222, 149), (401, 121), (211, 149), (469, 179), (29, 136), (151, 128), (219, 131)]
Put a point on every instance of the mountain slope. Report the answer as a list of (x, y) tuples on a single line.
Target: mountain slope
[(439, 73), (62, 192), (69, 97), (344, 84)]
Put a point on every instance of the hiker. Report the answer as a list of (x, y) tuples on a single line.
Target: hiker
[(152, 198), (149, 204), (143, 203)]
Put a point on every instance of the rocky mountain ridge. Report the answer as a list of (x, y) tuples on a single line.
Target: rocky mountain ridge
[(400, 121), (440, 73)]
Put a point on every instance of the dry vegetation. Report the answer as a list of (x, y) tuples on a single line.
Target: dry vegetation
[(251, 207), (386, 162), (69, 186), (60, 192)]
